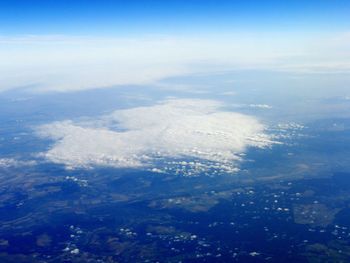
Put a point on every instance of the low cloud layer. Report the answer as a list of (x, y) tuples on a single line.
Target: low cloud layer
[(62, 63), (185, 136)]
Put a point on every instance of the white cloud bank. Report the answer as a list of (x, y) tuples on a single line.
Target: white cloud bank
[(62, 63), (181, 135)]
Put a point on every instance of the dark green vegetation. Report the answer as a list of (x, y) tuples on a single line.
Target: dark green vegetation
[(123, 216)]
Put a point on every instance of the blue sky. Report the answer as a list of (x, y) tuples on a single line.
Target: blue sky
[(124, 18)]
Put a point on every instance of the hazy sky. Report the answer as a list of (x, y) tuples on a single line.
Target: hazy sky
[(73, 45)]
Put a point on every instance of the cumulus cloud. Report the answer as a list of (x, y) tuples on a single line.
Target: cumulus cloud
[(182, 135), (10, 162)]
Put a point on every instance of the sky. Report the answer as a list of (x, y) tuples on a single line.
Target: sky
[(66, 46), (76, 45), (125, 18)]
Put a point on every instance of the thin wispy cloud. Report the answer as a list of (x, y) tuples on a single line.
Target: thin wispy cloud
[(14, 163)]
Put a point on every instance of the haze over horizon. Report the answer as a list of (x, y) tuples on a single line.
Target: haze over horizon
[(64, 45)]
